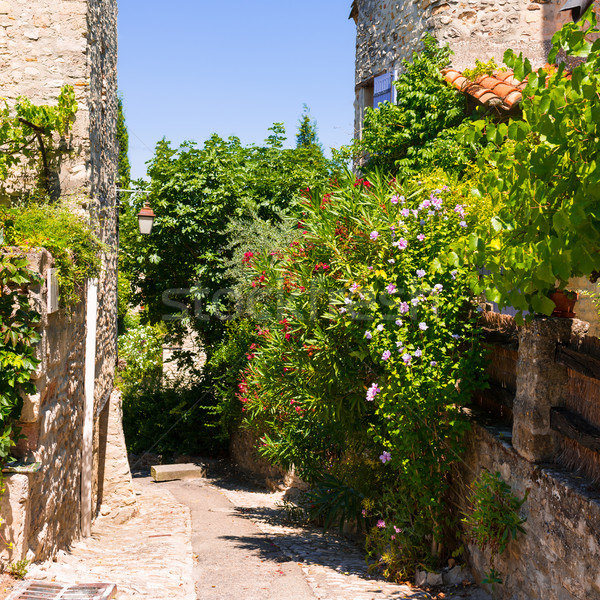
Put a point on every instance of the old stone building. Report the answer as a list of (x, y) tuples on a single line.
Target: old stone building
[(73, 424), (388, 32)]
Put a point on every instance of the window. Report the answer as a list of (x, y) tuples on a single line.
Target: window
[(371, 93), (382, 89)]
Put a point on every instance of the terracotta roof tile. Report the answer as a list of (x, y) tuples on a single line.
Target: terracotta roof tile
[(501, 89), (477, 91), (512, 98), (503, 75), (490, 98)]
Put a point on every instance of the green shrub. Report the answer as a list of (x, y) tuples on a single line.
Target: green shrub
[(494, 518), (173, 417), (140, 355), (70, 240), (420, 131)]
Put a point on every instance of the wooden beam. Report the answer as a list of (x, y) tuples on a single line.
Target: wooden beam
[(575, 427), (582, 363)]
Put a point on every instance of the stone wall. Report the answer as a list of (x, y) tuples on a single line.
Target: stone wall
[(44, 45), (558, 556), (43, 508), (545, 369), (388, 32), (52, 421)]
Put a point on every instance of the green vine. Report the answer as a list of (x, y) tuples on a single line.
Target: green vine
[(541, 174), (482, 68), (33, 139), (71, 241), (18, 337)]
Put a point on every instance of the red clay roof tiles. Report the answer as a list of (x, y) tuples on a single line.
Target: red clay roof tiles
[(501, 89)]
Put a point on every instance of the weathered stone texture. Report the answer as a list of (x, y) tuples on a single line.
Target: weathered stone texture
[(114, 493), (44, 45), (585, 308), (388, 32), (14, 511), (102, 103), (541, 384), (558, 556), (52, 421)]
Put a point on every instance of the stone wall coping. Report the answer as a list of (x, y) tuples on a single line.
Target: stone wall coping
[(556, 475)]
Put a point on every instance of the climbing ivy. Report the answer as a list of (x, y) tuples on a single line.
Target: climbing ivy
[(18, 337), (33, 138)]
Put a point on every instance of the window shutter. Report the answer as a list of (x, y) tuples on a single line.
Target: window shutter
[(382, 89)]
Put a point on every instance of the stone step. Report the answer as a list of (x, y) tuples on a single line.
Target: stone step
[(183, 471)]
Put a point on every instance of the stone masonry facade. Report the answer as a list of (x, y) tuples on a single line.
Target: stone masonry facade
[(388, 32), (44, 45)]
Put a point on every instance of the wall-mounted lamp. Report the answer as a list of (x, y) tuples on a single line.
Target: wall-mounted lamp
[(577, 8), (146, 219), (146, 215)]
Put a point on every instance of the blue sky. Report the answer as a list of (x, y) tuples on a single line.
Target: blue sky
[(190, 68)]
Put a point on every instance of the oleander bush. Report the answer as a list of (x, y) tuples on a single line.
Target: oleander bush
[(367, 349)]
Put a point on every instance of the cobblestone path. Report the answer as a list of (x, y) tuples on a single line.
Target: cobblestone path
[(333, 566), (149, 557)]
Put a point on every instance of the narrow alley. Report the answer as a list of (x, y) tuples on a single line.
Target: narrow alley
[(219, 538)]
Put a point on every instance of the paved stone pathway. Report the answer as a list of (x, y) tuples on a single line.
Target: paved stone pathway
[(219, 539), (149, 556)]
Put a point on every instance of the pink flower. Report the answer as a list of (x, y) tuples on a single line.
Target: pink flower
[(374, 235), (372, 392), (420, 237), (381, 523), (385, 457)]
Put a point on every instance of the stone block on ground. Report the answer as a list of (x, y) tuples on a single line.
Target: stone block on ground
[(457, 575), (184, 471)]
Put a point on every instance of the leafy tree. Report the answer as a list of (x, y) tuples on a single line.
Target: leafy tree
[(307, 132), (124, 172), (195, 192)]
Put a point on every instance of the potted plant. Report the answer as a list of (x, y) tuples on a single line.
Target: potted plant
[(565, 302)]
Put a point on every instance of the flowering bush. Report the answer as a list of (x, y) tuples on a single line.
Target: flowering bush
[(363, 366)]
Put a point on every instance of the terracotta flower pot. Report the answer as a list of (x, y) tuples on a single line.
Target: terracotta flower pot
[(565, 302)]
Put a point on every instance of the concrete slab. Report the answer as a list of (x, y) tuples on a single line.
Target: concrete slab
[(183, 471)]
